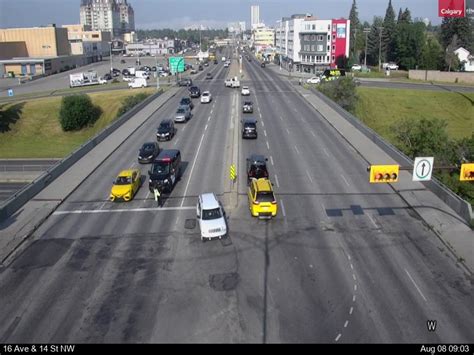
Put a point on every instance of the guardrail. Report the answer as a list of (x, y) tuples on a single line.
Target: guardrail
[(460, 206), (15, 202)]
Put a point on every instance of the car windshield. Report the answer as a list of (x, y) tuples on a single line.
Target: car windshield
[(123, 180), (249, 125), (180, 110), (148, 147), (205, 94), (247, 103), (164, 125), (211, 214), (184, 100), (160, 168), (265, 196)]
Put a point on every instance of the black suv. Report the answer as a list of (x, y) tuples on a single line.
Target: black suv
[(186, 101), (247, 107), (165, 130), (165, 171), (249, 128), (256, 167), (208, 76), (148, 152), (194, 92), (185, 82)]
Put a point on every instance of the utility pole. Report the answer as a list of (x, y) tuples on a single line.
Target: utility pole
[(366, 31), (380, 47), (111, 67)]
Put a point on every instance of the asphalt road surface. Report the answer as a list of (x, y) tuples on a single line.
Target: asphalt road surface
[(344, 261)]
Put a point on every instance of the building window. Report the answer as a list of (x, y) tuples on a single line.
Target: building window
[(329, 38), (313, 48), (328, 48), (333, 48), (333, 58), (314, 27), (329, 27), (313, 37), (333, 37), (320, 48)]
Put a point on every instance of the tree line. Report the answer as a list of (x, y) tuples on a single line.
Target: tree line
[(410, 43)]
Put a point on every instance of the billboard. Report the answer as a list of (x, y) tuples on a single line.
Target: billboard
[(341, 30), (470, 9), (451, 8)]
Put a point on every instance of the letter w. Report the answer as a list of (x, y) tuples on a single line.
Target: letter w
[(431, 324)]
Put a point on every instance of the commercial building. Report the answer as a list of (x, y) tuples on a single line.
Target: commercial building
[(263, 37), (115, 16), (254, 16), (152, 47), (307, 44), (36, 51), (93, 45)]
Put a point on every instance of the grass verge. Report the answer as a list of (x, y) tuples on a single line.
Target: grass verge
[(35, 132)]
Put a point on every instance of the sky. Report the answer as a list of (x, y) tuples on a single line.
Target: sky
[(177, 14)]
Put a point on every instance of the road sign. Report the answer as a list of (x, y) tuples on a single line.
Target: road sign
[(423, 168), (176, 65), (233, 174), (467, 172), (10, 92)]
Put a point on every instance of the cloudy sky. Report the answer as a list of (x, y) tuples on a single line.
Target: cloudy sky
[(212, 13)]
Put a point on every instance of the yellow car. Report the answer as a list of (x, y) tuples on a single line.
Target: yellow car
[(126, 185), (262, 202)]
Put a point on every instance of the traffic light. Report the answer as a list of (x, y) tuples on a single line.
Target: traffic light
[(384, 173), (467, 172)]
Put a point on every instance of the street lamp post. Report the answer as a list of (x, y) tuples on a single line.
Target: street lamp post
[(366, 31), (380, 47), (111, 67)]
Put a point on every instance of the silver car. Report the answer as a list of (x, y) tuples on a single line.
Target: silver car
[(183, 114)]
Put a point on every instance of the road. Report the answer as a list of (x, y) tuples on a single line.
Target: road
[(344, 261)]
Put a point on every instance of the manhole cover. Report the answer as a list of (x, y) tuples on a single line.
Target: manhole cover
[(224, 282), (190, 224)]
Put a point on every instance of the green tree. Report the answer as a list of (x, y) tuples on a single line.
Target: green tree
[(408, 44), (463, 28), (355, 29), (374, 41), (431, 55), (451, 59), (77, 112), (388, 33), (406, 16), (342, 91)]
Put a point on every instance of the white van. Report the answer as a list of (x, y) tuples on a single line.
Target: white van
[(142, 74), (138, 83)]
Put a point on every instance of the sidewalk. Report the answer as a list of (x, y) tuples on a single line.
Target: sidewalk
[(450, 228), (19, 227)]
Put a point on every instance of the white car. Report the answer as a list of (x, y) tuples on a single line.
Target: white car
[(138, 83), (206, 97), (102, 81), (245, 91), (313, 80), (356, 67), (211, 217), (392, 66)]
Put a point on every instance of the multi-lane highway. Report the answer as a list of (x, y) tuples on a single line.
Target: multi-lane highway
[(344, 261)]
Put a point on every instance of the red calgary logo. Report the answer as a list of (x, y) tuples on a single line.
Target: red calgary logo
[(451, 8)]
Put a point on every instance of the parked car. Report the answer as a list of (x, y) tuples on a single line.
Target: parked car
[(392, 66), (356, 67), (313, 80)]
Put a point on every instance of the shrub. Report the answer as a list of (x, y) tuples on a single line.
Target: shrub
[(77, 112), (342, 91), (130, 102)]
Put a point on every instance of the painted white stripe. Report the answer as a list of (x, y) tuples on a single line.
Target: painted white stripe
[(205, 128), (414, 283), (352, 267), (265, 132), (353, 298), (281, 118), (176, 141), (263, 124), (343, 178), (354, 277), (346, 323), (313, 134), (355, 287), (208, 119), (268, 146), (192, 169), (349, 257), (325, 151), (351, 310), (372, 220), (297, 151), (338, 337), (287, 130), (260, 115), (146, 197), (151, 209), (283, 208), (271, 160), (309, 176), (276, 180)]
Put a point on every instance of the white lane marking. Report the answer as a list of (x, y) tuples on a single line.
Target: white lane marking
[(351, 310), (309, 176), (352, 267), (176, 141), (372, 220), (354, 277), (313, 134), (283, 208), (58, 213), (338, 337), (192, 168), (102, 205), (353, 298), (325, 151), (343, 178), (297, 151), (355, 287), (212, 110), (184, 128), (276, 180), (146, 197), (205, 128), (287, 130), (349, 257), (268, 146), (346, 323), (281, 118), (414, 283), (271, 160), (265, 132), (209, 118), (263, 124), (260, 115)]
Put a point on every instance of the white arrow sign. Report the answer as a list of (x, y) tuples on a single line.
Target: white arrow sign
[(423, 168)]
